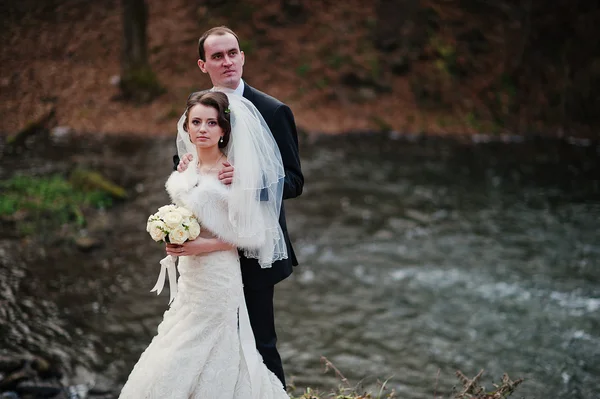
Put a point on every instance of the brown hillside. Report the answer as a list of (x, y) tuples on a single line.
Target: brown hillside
[(326, 59)]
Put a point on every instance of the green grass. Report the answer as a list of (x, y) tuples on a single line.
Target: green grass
[(336, 61), (322, 83), (381, 124), (248, 46), (473, 121), (374, 67), (52, 198), (173, 112), (302, 70), (140, 85)]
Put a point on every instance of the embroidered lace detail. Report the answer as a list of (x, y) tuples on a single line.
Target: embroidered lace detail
[(197, 351)]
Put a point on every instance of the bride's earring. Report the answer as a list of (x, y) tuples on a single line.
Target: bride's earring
[(221, 140)]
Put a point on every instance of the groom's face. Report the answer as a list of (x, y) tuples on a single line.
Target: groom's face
[(224, 61)]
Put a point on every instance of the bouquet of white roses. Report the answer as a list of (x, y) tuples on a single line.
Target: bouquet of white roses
[(173, 224)]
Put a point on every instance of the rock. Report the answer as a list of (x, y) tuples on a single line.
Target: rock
[(579, 142), (40, 365), (40, 123), (98, 224), (400, 65), (79, 391), (13, 379), (60, 132), (383, 235), (87, 243), (10, 364), (401, 225), (139, 188), (39, 389), (481, 138), (18, 216), (102, 386), (417, 216), (36, 378), (90, 180), (367, 93)]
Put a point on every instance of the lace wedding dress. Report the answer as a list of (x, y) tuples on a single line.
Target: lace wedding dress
[(204, 348)]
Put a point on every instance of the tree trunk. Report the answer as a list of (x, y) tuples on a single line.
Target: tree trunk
[(135, 54), (396, 19), (138, 82), (400, 33), (294, 10)]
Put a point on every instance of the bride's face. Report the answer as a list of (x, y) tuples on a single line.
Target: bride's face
[(203, 126)]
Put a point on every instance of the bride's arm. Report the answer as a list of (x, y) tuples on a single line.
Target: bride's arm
[(200, 245), (215, 217), (210, 203), (180, 186)]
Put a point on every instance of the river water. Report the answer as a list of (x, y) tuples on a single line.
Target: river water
[(418, 257)]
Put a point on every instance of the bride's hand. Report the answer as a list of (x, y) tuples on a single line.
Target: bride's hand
[(198, 246), (226, 174), (184, 162)]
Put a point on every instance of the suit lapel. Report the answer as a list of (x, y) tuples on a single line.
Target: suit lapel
[(248, 93)]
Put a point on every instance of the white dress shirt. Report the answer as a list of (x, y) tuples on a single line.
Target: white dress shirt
[(238, 90)]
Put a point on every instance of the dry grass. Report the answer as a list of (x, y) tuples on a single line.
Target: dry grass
[(471, 388)]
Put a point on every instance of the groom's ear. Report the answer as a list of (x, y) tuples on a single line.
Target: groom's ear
[(201, 65)]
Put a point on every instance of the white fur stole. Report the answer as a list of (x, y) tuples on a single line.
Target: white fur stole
[(208, 198)]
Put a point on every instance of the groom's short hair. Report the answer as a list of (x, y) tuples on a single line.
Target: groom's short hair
[(219, 31)]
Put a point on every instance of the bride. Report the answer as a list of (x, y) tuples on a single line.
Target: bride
[(205, 347)]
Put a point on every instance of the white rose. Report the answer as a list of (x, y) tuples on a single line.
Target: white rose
[(193, 229), (149, 223), (163, 210), (157, 230), (186, 213), (173, 219), (178, 235)]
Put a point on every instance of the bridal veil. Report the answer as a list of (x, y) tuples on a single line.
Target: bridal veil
[(257, 187)]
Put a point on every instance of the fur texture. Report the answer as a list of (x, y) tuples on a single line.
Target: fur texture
[(208, 199)]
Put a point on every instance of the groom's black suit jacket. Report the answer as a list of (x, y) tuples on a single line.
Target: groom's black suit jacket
[(280, 120)]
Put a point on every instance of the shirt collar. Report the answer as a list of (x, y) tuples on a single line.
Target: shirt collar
[(238, 90)]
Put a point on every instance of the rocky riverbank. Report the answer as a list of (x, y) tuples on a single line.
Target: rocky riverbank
[(27, 375), (34, 377)]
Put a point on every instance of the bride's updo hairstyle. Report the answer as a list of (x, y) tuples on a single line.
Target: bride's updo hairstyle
[(216, 100)]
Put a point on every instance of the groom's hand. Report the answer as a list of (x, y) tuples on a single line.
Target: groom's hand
[(226, 174), (198, 246), (184, 162)]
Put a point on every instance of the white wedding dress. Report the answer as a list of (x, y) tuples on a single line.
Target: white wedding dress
[(204, 348)]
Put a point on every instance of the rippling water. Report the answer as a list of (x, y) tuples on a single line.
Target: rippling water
[(416, 256)]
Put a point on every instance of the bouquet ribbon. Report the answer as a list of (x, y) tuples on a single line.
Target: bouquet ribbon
[(167, 265)]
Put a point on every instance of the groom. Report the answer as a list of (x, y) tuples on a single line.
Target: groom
[(222, 59)]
